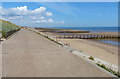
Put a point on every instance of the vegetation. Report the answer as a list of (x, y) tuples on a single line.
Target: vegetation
[(109, 69), (91, 58), (49, 38), (53, 40), (6, 26)]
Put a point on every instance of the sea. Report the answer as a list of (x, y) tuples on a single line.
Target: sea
[(97, 29), (92, 29)]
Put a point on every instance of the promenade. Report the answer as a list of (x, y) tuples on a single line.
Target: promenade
[(27, 54)]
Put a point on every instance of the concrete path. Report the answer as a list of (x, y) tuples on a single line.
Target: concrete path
[(27, 54)]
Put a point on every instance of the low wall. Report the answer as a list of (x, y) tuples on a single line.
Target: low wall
[(11, 32)]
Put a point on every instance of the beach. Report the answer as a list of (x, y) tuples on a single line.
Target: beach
[(92, 47), (103, 51)]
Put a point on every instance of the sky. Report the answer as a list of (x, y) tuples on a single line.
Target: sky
[(61, 14), (60, 0)]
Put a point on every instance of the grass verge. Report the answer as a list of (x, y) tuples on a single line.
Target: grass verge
[(7, 28), (50, 39), (109, 69)]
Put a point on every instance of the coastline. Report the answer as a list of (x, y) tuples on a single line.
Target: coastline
[(99, 54), (103, 51)]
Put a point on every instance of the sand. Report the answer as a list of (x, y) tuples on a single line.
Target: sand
[(108, 53)]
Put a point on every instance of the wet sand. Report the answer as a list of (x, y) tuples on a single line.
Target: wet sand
[(105, 52)]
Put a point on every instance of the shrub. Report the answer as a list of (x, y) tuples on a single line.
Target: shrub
[(91, 58)]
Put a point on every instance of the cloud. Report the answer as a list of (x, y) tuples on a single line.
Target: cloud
[(44, 21), (49, 14), (50, 20), (41, 21), (22, 15), (42, 17), (1, 10), (23, 10), (14, 13), (36, 17), (14, 18), (18, 11), (38, 10), (10, 18)]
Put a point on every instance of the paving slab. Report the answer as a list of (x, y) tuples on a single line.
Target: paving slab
[(27, 54)]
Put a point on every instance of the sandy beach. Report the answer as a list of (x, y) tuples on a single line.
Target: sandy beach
[(105, 52)]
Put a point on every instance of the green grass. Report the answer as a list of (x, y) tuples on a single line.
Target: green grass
[(6, 26), (109, 69)]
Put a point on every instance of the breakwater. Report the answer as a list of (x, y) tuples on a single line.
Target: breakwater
[(106, 35)]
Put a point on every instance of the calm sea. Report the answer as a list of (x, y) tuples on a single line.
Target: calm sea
[(92, 29), (96, 29)]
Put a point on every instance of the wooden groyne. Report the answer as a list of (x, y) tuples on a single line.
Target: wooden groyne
[(90, 36), (60, 30), (76, 34)]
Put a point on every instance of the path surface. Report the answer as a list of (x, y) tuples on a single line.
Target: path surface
[(27, 54)]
